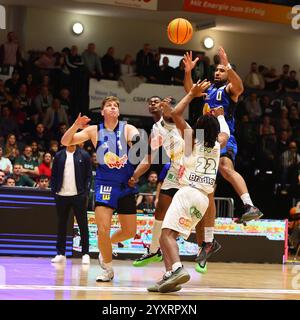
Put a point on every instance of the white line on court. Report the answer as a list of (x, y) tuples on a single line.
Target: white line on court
[(143, 290)]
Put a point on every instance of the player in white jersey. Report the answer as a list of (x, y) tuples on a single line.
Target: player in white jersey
[(164, 134), (197, 177)]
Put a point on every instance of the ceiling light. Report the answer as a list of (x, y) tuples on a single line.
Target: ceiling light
[(208, 43), (77, 28)]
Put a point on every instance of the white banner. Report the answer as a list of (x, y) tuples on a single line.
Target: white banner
[(137, 4), (134, 103)]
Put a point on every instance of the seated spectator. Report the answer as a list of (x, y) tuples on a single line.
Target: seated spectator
[(291, 84), (5, 97), (43, 182), (54, 116), (201, 69), (282, 142), (60, 74), (18, 113), (12, 85), (149, 189), (294, 117), (10, 52), (37, 154), (65, 100), (8, 124), (53, 147), (21, 179), (10, 181), (266, 152), (5, 164), (166, 73), (32, 89), (254, 80), (74, 60), (272, 80), (24, 99), (179, 74), (62, 128), (265, 104), (46, 165), (154, 71), (127, 66), (41, 137), (289, 163), (2, 178), (46, 60), (92, 61), (266, 128), (253, 107), (145, 62), (285, 73), (109, 65), (29, 165), (11, 150), (43, 101)]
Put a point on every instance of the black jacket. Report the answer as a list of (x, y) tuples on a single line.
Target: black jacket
[(83, 170)]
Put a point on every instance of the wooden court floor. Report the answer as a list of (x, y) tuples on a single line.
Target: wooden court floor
[(37, 278)]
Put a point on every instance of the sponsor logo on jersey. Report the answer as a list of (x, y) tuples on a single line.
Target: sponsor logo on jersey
[(194, 212), (206, 180), (172, 177), (115, 162), (105, 191), (185, 223)]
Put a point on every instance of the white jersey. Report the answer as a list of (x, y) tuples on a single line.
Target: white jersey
[(166, 134), (199, 170)]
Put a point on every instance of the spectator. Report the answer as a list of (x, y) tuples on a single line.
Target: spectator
[(282, 142), (43, 182), (145, 62), (37, 155), (62, 128), (201, 69), (41, 137), (5, 98), (8, 124), (291, 84), (2, 178), (92, 61), (10, 52), (265, 104), (179, 74), (25, 100), (65, 101), (18, 113), (10, 181), (45, 167), (266, 128), (166, 73), (74, 60), (12, 85), (32, 89), (11, 148), (21, 180), (253, 107), (127, 67), (109, 65), (272, 80), (285, 72), (54, 116), (289, 164), (29, 165), (148, 188), (5, 164), (46, 60), (53, 147), (294, 117), (254, 80), (43, 101)]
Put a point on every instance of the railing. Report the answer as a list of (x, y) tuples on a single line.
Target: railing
[(224, 207)]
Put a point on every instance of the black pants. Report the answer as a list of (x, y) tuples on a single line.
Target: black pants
[(79, 205)]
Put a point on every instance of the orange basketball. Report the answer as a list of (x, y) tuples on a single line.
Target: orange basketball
[(180, 31)]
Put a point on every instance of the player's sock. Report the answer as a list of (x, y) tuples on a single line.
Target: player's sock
[(247, 199), (107, 266), (176, 265), (208, 234), (156, 232)]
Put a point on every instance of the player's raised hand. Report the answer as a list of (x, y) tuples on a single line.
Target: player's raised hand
[(199, 88), (189, 63), (223, 57), (82, 121)]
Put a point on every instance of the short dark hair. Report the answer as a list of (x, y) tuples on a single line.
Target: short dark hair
[(43, 177), (211, 127)]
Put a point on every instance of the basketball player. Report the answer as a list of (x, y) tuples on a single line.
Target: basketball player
[(197, 177), (224, 92), (111, 139), (164, 133)]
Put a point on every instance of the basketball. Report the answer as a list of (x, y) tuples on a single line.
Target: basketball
[(180, 31)]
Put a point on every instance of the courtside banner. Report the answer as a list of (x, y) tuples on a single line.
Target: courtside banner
[(138, 4), (135, 102), (241, 9)]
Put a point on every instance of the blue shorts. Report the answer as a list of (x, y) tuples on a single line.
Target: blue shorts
[(231, 149), (116, 196)]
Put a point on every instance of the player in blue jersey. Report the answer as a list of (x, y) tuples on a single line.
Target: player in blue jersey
[(112, 140), (223, 93)]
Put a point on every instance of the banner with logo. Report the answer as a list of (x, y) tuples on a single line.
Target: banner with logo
[(135, 102), (137, 4), (241, 9)]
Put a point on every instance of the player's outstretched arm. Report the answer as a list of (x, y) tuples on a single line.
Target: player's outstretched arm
[(72, 137), (189, 65), (235, 86), (224, 134)]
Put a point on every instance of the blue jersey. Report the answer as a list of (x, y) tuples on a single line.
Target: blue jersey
[(218, 97), (112, 155)]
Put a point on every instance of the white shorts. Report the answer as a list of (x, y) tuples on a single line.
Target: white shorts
[(186, 210)]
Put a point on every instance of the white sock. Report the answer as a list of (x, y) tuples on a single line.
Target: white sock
[(208, 234), (176, 265), (168, 273), (247, 199), (107, 266), (156, 232)]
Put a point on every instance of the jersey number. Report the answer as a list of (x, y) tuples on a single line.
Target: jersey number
[(206, 166)]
